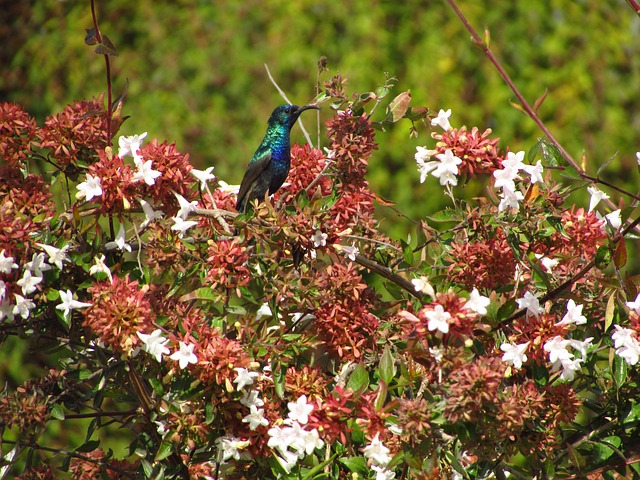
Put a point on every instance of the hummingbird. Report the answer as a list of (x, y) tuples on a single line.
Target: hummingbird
[(269, 166)]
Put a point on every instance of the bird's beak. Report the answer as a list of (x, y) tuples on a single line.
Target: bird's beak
[(307, 107)]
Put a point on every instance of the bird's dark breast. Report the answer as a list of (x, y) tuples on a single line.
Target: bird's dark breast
[(280, 173)]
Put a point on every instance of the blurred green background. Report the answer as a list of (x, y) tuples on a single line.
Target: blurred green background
[(196, 73)]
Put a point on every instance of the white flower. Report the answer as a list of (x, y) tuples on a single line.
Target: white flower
[(185, 207), (569, 368), (614, 219), (580, 345), (635, 305), (91, 187), (56, 255), (477, 302), (626, 344), (154, 344), (421, 284), (68, 303), (100, 267), (119, 242), (3, 289), (23, 306), (535, 172), (447, 170), (505, 178), (547, 263), (319, 239), (438, 319), (531, 303), (442, 120), (6, 263), (573, 315), (351, 252), (382, 473), (510, 199), (229, 447), (185, 355), (37, 265), (557, 349), (251, 398), (149, 213), (424, 166), (146, 173), (377, 452), (181, 226), (280, 439), (28, 282), (596, 196), (130, 146), (255, 418), (244, 378), (226, 188), (514, 354), (203, 176), (515, 161), (264, 311), (299, 410)]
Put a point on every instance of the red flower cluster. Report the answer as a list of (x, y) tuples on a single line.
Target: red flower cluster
[(343, 321), (174, 167), (116, 180), (352, 143), (75, 134), (119, 310), (17, 131), (478, 153), (227, 261), (306, 165), (485, 263), (538, 330)]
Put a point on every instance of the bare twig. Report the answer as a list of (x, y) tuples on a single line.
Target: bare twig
[(284, 95)]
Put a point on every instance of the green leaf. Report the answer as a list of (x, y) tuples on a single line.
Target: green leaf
[(359, 379), (398, 106), (57, 412), (533, 151), (387, 367), (605, 448), (279, 377), (356, 465), (603, 257), (610, 312), (506, 310), (407, 251), (633, 416), (552, 156), (319, 468), (106, 47), (446, 215), (89, 446), (556, 223), (606, 164), (619, 371), (165, 450)]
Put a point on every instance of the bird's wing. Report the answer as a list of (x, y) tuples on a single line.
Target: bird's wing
[(258, 164)]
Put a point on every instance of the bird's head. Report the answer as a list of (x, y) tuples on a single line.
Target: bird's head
[(288, 114)]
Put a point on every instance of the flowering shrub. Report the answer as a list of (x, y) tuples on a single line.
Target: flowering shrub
[(297, 340)]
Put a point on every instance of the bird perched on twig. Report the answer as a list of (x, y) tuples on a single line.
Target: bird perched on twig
[(269, 166)]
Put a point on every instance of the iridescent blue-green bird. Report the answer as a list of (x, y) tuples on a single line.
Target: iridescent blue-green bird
[(269, 166)]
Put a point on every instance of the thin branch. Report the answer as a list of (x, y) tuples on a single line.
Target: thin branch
[(523, 102), (284, 95)]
